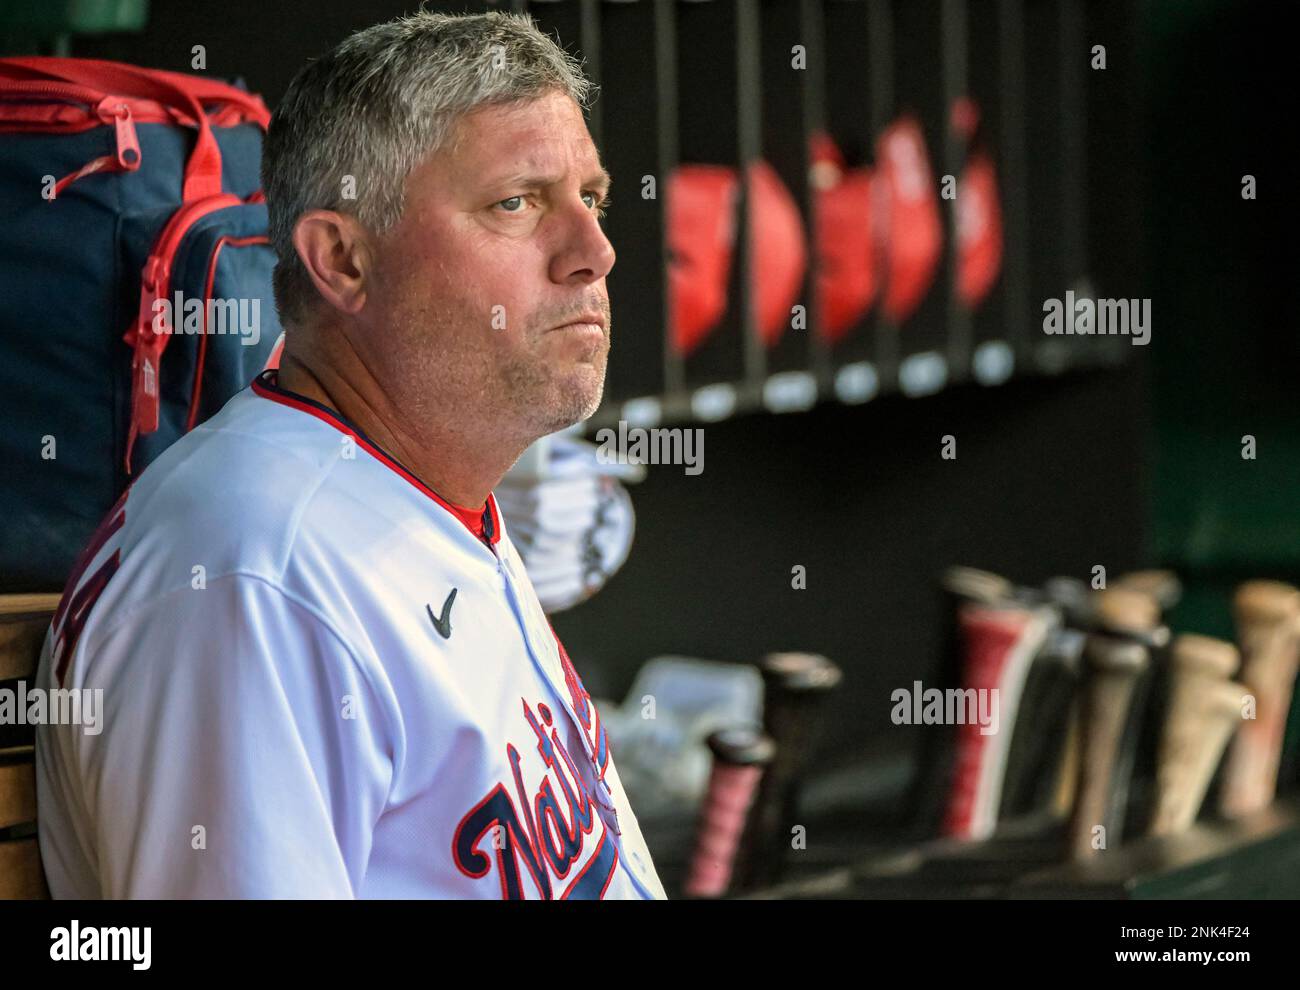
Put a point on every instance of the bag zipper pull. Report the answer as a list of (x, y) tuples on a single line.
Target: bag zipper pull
[(147, 345), (113, 111)]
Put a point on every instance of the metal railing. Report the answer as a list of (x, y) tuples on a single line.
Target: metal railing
[(733, 82)]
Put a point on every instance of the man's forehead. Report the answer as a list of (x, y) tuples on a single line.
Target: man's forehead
[(535, 173), (541, 142)]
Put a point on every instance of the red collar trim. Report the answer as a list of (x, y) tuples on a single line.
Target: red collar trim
[(484, 523)]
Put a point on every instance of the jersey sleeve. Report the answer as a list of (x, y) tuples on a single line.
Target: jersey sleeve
[(245, 751)]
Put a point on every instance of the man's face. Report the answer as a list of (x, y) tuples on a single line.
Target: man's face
[(498, 253)]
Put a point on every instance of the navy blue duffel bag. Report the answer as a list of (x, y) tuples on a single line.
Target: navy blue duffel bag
[(135, 286)]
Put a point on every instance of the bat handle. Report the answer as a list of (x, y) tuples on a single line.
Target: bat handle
[(1203, 713), (1113, 667), (740, 756), (795, 686), (1269, 649)]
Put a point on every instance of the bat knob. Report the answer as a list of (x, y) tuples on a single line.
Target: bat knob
[(1073, 597), (1163, 586), (1127, 612), (799, 672), (1195, 654), (976, 585), (1266, 602)]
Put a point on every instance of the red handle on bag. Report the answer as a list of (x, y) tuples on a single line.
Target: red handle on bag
[(183, 94)]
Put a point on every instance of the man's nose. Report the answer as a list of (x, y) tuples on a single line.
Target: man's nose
[(585, 253)]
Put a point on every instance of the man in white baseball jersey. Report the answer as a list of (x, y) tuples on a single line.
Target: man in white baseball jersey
[(325, 671)]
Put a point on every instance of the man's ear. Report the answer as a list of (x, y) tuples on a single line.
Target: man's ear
[(335, 250)]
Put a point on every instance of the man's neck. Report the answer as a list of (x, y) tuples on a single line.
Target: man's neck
[(460, 470)]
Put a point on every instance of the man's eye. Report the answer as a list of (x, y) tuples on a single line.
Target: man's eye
[(599, 204), (512, 199)]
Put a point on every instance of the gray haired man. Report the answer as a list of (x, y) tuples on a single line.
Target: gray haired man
[(362, 696)]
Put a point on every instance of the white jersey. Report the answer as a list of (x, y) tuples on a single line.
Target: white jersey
[(318, 681)]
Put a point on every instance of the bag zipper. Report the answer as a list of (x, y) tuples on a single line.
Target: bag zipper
[(106, 109), (230, 111), (100, 108)]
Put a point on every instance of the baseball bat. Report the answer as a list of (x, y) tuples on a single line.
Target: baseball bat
[(973, 584), (1130, 608), (928, 800), (999, 644), (740, 756), (1114, 661), (1140, 750), (1162, 586), (1135, 615), (1132, 615), (794, 688), (1075, 599), (1079, 602), (1046, 710), (1087, 609), (1204, 708), (1267, 614)]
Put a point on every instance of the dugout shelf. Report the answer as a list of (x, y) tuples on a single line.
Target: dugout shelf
[(1251, 858)]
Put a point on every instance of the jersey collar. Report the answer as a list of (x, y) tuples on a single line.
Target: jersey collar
[(484, 524)]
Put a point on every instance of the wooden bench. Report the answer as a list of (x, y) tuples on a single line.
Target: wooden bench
[(23, 621)]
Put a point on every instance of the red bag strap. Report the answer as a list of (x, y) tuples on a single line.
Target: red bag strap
[(213, 91), (88, 72), (185, 94)]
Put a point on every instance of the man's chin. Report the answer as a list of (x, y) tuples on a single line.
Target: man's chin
[(575, 400)]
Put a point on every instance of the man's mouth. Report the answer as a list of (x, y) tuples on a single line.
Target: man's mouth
[(587, 322)]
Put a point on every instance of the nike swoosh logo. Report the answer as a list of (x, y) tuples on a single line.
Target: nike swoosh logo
[(443, 622)]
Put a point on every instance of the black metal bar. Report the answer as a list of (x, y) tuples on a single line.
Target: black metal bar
[(813, 29), (749, 140), (1072, 58), (955, 84), (1014, 167), (880, 27), (667, 121), (880, 46), (591, 48)]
